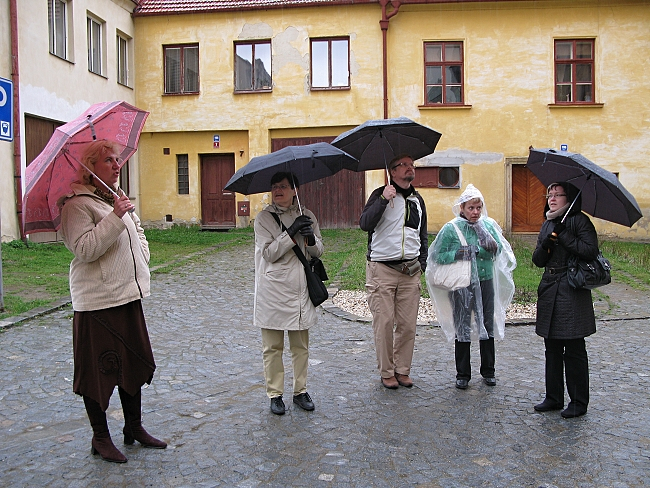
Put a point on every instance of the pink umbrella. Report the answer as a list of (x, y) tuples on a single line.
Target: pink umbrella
[(49, 176)]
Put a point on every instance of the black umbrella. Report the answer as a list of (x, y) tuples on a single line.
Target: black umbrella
[(309, 163), (603, 196), (375, 142)]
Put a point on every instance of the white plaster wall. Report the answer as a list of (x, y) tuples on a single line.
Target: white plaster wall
[(8, 220), (60, 90)]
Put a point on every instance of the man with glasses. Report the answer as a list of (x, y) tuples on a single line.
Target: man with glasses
[(395, 218)]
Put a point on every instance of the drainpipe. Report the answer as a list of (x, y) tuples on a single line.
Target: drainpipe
[(13, 13), (385, 17)]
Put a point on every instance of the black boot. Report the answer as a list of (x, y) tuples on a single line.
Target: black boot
[(102, 443), (133, 430)]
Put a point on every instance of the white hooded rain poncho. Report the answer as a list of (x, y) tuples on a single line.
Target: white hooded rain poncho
[(483, 238)]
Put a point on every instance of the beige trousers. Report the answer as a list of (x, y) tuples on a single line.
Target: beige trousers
[(393, 299), (272, 348)]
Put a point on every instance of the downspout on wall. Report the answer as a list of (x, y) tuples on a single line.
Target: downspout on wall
[(15, 78), (385, 17)]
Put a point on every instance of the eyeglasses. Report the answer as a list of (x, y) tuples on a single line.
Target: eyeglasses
[(555, 195), (279, 187), (408, 165)]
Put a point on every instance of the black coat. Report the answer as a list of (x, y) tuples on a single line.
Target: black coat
[(563, 312)]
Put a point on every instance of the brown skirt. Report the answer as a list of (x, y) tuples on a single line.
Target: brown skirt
[(111, 347)]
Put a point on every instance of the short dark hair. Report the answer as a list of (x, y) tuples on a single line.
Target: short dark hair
[(397, 158), (290, 177)]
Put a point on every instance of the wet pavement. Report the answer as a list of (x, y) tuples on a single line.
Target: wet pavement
[(207, 401)]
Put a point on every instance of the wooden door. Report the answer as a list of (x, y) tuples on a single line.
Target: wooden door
[(527, 200), (37, 135), (337, 201), (217, 204)]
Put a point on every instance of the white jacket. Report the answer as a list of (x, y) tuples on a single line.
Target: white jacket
[(281, 297)]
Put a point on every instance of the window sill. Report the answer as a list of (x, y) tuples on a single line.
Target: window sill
[(98, 74), (330, 88), (177, 94), (62, 58), (443, 107), (244, 92), (576, 105)]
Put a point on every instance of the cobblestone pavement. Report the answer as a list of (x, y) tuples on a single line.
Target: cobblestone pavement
[(207, 401)]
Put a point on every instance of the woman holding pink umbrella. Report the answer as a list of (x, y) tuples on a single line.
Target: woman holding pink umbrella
[(109, 276)]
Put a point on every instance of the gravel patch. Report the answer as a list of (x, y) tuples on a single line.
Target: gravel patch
[(354, 302)]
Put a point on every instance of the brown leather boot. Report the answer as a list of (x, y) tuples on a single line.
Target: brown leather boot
[(102, 443), (133, 430)]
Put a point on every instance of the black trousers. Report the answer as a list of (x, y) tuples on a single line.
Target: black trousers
[(567, 357), (464, 302), (463, 368)]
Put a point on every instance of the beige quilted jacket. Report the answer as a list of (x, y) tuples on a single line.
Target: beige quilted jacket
[(111, 255)]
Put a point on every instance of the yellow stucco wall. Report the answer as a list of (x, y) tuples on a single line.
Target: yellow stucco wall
[(509, 85), (158, 173), (508, 76)]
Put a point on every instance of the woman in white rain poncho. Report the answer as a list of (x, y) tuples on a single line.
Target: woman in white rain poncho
[(479, 310)]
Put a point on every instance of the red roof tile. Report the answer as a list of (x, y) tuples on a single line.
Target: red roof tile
[(162, 7)]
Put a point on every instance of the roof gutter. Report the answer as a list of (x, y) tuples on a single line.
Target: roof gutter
[(15, 78), (385, 18)]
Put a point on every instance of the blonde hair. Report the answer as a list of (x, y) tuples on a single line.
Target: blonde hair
[(93, 152)]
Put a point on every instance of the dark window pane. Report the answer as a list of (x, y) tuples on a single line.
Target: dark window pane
[(449, 177), (183, 174), (172, 70), (583, 50), (453, 94), (563, 93), (243, 67), (583, 72), (563, 73), (583, 93), (262, 66), (453, 74), (563, 50), (434, 94), (434, 75), (191, 60)]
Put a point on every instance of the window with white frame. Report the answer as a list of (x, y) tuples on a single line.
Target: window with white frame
[(181, 69), (123, 44), (330, 63), (253, 66), (95, 50), (57, 13)]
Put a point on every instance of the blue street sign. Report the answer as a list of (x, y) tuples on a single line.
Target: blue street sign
[(6, 110)]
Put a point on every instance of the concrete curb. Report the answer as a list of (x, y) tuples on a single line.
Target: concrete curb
[(35, 312)]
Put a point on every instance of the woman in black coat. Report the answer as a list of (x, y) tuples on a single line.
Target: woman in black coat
[(565, 316)]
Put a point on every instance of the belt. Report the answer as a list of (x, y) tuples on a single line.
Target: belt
[(556, 270)]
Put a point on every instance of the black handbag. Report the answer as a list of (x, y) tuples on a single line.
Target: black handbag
[(588, 274), (314, 272)]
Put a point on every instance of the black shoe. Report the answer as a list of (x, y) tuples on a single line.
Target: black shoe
[(547, 405), (490, 381), (574, 410), (462, 384), (277, 405), (304, 401)]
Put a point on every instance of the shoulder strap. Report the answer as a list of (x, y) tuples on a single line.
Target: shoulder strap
[(463, 242), (296, 248)]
